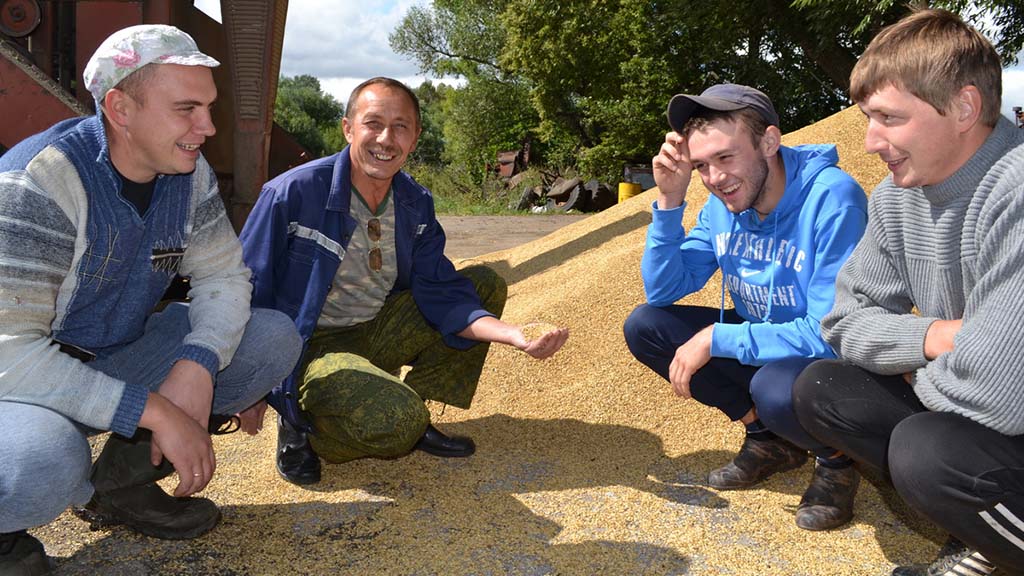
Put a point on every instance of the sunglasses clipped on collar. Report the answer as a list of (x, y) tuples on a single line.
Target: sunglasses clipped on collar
[(374, 257)]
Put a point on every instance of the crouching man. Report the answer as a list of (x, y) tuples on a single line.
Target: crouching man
[(778, 224), (349, 247), (97, 216), (934, 397)]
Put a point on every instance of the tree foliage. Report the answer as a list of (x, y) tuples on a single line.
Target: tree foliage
[(309, 114), (589, 80), (454, 37), (430, 147), (1002, 21)]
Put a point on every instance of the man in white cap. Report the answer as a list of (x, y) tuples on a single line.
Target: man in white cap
[(97, 216)]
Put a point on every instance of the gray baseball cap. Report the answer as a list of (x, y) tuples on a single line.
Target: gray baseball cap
[(721, 97)]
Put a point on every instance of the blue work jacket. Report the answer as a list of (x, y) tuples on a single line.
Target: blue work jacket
[(296, 237)]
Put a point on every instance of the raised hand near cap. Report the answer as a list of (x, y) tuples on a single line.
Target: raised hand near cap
[(672, 171)]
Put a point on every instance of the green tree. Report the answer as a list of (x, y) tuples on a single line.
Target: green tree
[(453, 37), (596, 74), (492, 111), (309, 114), (1002, 21), (430, 148), (482, 118)]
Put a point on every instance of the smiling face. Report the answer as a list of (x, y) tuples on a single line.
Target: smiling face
[(731, 166), (162, 130), (382, 132), (920, 146)]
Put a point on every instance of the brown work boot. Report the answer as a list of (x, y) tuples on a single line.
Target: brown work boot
[(127, 493), (757, 460), (828, 501)]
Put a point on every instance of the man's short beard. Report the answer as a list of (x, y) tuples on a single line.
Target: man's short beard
[(762, 187)]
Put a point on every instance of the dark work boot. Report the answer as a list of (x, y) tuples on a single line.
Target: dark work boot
[(437, 443), (757, 460), (828, 501), (22, 555), (296, 460), (127, 493)]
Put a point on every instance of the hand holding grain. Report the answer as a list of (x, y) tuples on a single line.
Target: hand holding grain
[(541, 340)]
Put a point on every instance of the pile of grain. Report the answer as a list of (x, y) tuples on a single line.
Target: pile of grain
[(586, 463)]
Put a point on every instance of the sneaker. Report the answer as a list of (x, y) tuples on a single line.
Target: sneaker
[(151, 511), (955, 559), (22, 555), (757, 460), (828, 501)]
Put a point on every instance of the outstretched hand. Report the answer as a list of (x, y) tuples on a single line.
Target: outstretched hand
[(537, 339), (543, 346)]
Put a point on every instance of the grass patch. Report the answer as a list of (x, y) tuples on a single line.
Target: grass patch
[(456, 192)]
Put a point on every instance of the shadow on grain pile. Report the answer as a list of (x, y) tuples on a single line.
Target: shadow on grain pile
[(585, 463)]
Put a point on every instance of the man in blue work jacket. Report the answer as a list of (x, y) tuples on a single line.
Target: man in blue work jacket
[(350, 248)]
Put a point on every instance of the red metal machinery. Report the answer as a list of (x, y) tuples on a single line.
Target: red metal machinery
[(44, 45)]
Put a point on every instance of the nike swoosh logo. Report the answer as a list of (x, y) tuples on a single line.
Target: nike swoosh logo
[(749, 273)]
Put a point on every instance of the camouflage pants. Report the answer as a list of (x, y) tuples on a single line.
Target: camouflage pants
[(349, 390)]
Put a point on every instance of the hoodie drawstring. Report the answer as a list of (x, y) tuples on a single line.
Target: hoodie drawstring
[(771, 281)]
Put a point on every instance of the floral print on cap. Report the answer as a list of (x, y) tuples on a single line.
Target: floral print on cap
[(129, 49)]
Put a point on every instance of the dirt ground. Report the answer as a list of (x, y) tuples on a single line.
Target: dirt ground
[(470, 236)]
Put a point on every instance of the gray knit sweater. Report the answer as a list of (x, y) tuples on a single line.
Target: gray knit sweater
[(953, 250)]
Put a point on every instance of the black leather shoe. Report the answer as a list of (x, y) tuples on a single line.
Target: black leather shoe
[(296, 460), (436, 443)]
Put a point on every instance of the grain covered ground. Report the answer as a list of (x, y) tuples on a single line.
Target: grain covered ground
[(586, 463)]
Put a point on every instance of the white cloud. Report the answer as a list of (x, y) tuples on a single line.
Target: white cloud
[(342, 43)]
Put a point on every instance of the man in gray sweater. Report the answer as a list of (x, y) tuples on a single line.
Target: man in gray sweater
[(934, 397)]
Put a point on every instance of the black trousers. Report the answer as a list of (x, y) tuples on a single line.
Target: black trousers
[(965, 477)]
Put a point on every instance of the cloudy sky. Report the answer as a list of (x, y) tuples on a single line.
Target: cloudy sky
[(343, 42)]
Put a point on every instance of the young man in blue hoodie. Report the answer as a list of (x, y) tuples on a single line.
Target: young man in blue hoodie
[(778, 224)]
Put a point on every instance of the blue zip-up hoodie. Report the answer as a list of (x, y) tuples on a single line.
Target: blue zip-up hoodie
[(780, 271), (297, 234)]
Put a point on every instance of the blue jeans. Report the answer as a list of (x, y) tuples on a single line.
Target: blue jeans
[(45, 458), (654, 333)]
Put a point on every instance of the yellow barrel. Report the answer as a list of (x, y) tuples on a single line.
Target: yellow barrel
[(627, 190)]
